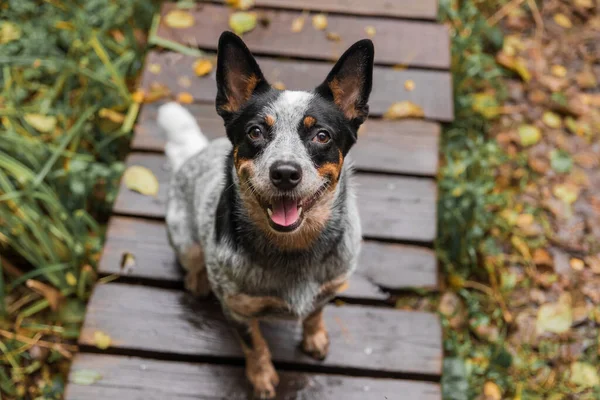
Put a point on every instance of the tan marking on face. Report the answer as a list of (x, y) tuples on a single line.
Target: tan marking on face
[(270, 120), (251, 306), (332, 170), (315, 340), (309, 122), (259, 368), (345, 96), (243, 166)]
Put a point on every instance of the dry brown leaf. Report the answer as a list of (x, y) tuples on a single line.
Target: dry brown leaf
[(404, 109), (179, 19), (141, 180), (319, 22), (491, 391), (558, 70), (52, 295), (185, 98), (521, 247), (577, 264), (138, 96), (524, 220), (203, 67), (298, 23), (334, 37), (562, 20), (567, 192), (542, 258)]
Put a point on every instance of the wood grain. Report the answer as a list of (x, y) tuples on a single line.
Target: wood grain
[(388, 266), (391, 207), (403, 147), (134, 378), (396, 42), (141, 319), (421, 9), (432, 89)]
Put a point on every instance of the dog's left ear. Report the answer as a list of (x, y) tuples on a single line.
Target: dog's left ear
[(238, 75), (349, 83)]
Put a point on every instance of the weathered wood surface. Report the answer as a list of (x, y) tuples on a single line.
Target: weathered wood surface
[(381, 265), (391, 207), (418, 9), (151, 320), (432, 89), (418, 44), (402, 147), (133, 378)]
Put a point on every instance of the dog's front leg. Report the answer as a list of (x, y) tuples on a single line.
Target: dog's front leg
[(259, 368), (315, 340)]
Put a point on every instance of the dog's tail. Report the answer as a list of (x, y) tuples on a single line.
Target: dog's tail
[(184, 137)]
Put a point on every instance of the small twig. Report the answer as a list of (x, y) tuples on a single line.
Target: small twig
[(479, 286), (10, 268), (539, 21), (64, 349), (504, 11)]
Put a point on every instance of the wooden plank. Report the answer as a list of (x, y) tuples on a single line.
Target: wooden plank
[(133, 378), (432, 89), (419, 44), (384, 265), (380, 340), (403, 147), (421, 9), (391, 207)]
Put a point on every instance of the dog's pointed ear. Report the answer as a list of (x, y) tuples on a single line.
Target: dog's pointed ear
[(349, 82), (238, 75)]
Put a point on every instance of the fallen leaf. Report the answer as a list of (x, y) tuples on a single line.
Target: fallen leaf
[(370, 31), (524, 220), (529, 135), (141, 180), (409, 85), (521, 247), (279, 85), (241, 22), (70, 278), (552, 119), (85, 377), (111, 115), (584, 375), (555, 317), (577, 264), (298, 23), (52, 295), (154, 68), (184, 81), (542, 258), (584, 3), (203, 67), (562, 20), (241, 4), (101, 340), (404, 109), (491, 391), (41, 123), (561, 161), (558, 70), (486, 105), (566, 192), (185, 98), (9, 32), (586, 78), (334, 37), (138, 96), (127, 262), (179, 19), (319, 22), (516, 64), (586, 159)]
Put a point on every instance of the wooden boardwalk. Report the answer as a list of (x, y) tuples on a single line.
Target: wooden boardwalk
[(167, 345)]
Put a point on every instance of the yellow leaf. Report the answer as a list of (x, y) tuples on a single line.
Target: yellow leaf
[(9, 32), (241, 22), (486, 104), (298, 23), (334, 37), (71, 280), (111, 115), (279, 85), (584, 3), (101, 340), (524, 220), (241, 4), (552, 119), (141, 180), (562, 20), (179, 19), (577, 264), (409, 85), (555, 317), (566, 192), (491, 391), (521, 247), (370, 31), (516, 64), (319, 22), (584, 375), (404, 109), (184, 81), (138, 96), (154, 68), (42, 123), (185, 98), (559, 71), (529, 135), (203, 67)]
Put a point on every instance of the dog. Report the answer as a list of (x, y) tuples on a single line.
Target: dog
[(266, 218)]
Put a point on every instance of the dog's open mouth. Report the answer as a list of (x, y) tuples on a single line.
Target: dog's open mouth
[(286, 213)]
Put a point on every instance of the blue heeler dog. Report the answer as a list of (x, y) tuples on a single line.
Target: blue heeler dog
[(266, 218)]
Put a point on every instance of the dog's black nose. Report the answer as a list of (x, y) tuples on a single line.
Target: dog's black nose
[(285, 175)]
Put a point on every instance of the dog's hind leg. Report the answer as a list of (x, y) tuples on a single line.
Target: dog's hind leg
[(315, 340), (259, 368), (196, 277)]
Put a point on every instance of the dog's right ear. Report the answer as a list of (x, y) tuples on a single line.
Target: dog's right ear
[(238, 75)]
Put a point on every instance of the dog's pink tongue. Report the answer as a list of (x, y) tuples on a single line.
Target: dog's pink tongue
[(285, 212)]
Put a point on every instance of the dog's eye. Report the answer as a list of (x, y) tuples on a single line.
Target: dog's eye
[(255, 133), (322, 137)]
